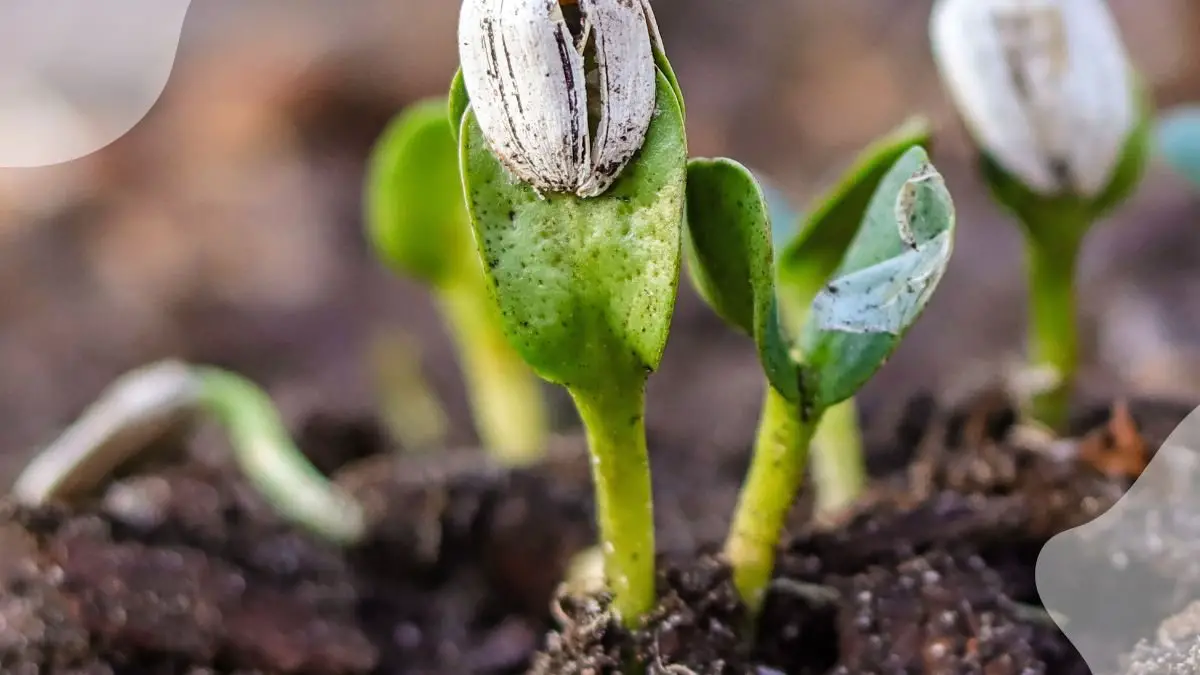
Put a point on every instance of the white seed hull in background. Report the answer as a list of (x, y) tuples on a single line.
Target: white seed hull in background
[(1044, 86)]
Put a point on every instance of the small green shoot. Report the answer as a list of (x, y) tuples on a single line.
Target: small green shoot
[(147, 404), (807, 252), (417, 223), (1054, 226), (409, 408), (586, 289), (1059, 147), (886, 272)]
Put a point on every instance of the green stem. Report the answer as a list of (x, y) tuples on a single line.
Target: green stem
[(506, 397), (616, 433), (839, 468), (269, 459), (1052, 252), (776, 471)]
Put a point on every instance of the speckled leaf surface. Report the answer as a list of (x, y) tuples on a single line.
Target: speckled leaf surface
[(810, 257), (730, 259), (586, 287), (416, 219), (888, 276)]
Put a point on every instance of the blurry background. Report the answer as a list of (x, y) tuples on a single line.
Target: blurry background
[(225, 227)]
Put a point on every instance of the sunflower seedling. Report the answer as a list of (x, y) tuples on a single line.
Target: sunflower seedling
[(417, 223), (1062, 123), (807, 253), (885, 273), (806, 259), (146, 404), (574, 159)]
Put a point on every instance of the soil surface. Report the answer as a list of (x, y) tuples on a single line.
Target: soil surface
[(183, 569)]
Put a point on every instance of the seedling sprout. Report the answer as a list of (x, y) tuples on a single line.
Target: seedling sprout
[(585, 276), (885, 273), (1062, 122), (146, 404)]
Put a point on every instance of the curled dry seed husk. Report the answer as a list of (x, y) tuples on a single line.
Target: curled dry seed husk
[(526, 73), (1044, 86), (138, 408)]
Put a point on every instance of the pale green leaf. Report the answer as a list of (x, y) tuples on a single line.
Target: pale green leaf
[(888, 276)]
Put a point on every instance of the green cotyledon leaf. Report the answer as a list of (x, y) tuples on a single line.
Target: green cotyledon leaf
[(806, 262), (586, 287), (415, 215), (731, 263), (888, 276)]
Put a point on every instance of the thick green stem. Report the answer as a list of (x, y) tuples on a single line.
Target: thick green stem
[(1053, 329), (614, 421), (271, 461), (839, 468), (506, 397), (776, 471)]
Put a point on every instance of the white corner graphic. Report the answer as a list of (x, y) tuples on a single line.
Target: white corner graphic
[(1123, 583), (76, 75)]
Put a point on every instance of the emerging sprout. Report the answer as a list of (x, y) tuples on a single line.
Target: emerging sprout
[(1048, 92), (586, 285), (146, 404), (807, 253), (804, 264), (885, 273), (417, 223)]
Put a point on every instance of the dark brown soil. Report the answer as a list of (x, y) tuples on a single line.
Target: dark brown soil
[(183, 569)]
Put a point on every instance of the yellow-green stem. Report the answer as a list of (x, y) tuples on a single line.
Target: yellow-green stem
[(506, 397), (1053, 330), (616, 433), (776, 471), (272, 462), (839, 467)]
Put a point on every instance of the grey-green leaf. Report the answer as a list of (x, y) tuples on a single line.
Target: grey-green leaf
[(888, 276), (730, 259), (586, 287), (806, 263), (415, 215)]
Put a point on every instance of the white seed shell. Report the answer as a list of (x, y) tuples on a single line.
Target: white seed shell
[(1044, 86), (138, 408), (525, 74)]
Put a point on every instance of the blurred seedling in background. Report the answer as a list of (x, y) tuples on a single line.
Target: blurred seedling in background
[(1062, 123), (1177, 140), (417, 223), (864, 267), (155, 401), (409, 408), (576, 195)]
